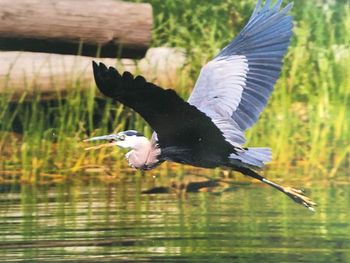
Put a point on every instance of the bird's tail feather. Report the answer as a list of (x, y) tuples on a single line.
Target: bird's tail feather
[(253, 157)]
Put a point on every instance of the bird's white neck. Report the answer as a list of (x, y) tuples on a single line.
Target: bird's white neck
[(143, 153)]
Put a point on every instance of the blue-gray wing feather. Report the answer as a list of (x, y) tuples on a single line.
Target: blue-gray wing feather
[(263, 41), (234, 87)]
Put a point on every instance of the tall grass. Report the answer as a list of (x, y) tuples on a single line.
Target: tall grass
[(306, 121)]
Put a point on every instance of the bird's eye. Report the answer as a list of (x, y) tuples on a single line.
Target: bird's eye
[(122, 137)]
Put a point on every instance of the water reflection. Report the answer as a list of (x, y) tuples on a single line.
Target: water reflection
[(109, 222)]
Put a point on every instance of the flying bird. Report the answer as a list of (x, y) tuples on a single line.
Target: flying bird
[(231, 91)]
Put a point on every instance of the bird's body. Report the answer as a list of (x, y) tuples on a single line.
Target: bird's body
[(231, 91)]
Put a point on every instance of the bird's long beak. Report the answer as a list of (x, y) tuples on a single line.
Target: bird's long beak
[(112, 138)]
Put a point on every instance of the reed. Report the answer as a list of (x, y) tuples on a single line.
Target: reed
[(306, 121)]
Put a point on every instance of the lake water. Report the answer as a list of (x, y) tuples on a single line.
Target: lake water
[(99, 222)]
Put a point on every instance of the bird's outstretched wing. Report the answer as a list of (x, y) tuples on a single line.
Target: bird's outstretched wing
[(176, 122), (234, 87)]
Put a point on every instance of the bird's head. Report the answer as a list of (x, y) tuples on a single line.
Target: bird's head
[(124, 139)]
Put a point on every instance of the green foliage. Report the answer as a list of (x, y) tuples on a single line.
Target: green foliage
[(306, 121)]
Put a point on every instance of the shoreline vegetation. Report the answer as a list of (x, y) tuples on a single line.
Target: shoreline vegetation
[(306, 121)]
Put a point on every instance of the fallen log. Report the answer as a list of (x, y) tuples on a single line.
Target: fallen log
[(27, 74), (103, 28)]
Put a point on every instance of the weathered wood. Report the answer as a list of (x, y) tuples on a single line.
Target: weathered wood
[(105, 27), (27, 73)]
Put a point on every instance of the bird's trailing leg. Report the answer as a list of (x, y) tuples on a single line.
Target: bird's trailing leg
[(295, 194)]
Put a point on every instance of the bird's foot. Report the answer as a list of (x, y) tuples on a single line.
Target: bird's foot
[(299, 197)]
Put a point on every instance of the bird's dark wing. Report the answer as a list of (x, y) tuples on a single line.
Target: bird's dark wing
[(235, 86), (176, 122)]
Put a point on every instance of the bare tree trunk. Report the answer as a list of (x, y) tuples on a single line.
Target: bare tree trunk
[(27, 73), (105, 28)]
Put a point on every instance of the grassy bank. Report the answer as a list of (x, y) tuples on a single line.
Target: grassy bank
[(306, 121)]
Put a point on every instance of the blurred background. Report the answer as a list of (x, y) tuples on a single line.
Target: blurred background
[(61, 202)]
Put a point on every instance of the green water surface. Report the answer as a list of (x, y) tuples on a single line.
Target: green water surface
[(99, 222)]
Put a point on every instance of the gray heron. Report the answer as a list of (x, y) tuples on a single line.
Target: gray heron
[(231, 91)]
